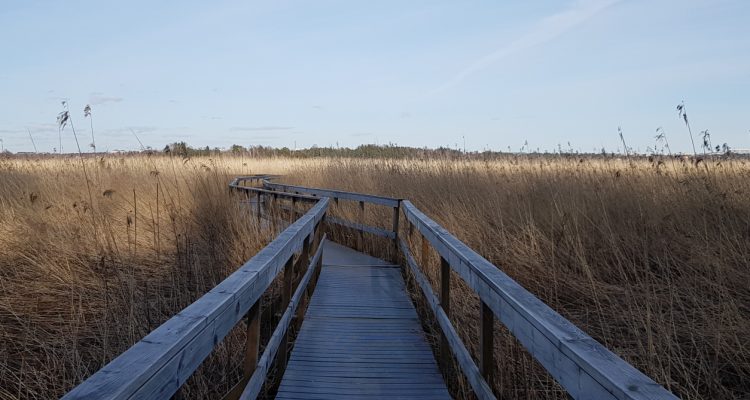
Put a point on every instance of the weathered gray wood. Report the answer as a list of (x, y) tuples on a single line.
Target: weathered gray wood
[(252, 347), (286, 297), (361, 337), (394, 242), (286, 195), (361, 236), (486, 342), (465, 362), (445, 304), (579, 363), (260, 205), (305, 260), (362, 227), (279, 334), (160, 363), (339, 194)]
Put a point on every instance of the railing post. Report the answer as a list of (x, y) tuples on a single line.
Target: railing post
[(259, 200), (293, 212), (252, 347), (425, 252), (252, 342), (304, 264), (286, 296), (319, 266), (487, 343), (445, 304), (361, 237), (394, 246), (274, 210)]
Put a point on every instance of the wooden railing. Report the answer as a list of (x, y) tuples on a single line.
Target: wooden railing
[(159, 364), (580, 364), (361, 199)]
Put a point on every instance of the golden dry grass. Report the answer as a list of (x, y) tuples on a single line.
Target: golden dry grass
[(651, 260), (84, 277)]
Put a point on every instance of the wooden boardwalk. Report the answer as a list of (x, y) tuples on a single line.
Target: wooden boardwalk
[(361, 337)]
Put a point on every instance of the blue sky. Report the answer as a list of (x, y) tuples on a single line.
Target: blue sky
[(417, 73)]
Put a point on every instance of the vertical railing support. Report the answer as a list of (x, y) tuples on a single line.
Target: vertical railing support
[(293, 212), (275, 211), (425, 253), (303, 265), (252, 348), (361, 237), (487, 343), (286, 296), (445, 304), (394, 246), (252, 343), (259, 201)]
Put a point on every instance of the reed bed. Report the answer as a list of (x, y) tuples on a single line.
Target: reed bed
[(648, 257), (89, 266)]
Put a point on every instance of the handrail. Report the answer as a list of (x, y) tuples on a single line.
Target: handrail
[(255, 383), (273, 192), (340, 194), (459, 350), (584, 367), (361, 198), (161, 362)]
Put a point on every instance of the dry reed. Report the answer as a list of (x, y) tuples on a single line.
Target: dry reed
[(650, 258)]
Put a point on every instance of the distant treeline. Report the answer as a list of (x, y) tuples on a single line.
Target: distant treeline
[(362, 151), (393, 151), (390, 151)]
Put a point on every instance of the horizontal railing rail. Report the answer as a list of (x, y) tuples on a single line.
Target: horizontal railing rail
[(580, 364), (158, 365), (360, 198), (335, 194), (272, 193)]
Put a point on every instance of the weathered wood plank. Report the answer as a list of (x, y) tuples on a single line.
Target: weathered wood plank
[(486, 341), (361, 336)]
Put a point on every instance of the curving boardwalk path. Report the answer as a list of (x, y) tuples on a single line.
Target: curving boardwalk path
[(361, 337)]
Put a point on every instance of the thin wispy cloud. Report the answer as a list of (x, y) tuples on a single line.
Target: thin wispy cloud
[(260, 128), (98, 98), (33, 128), (547, 29), (118, 132)]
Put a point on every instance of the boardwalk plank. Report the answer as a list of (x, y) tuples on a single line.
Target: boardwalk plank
[(361, 337)]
